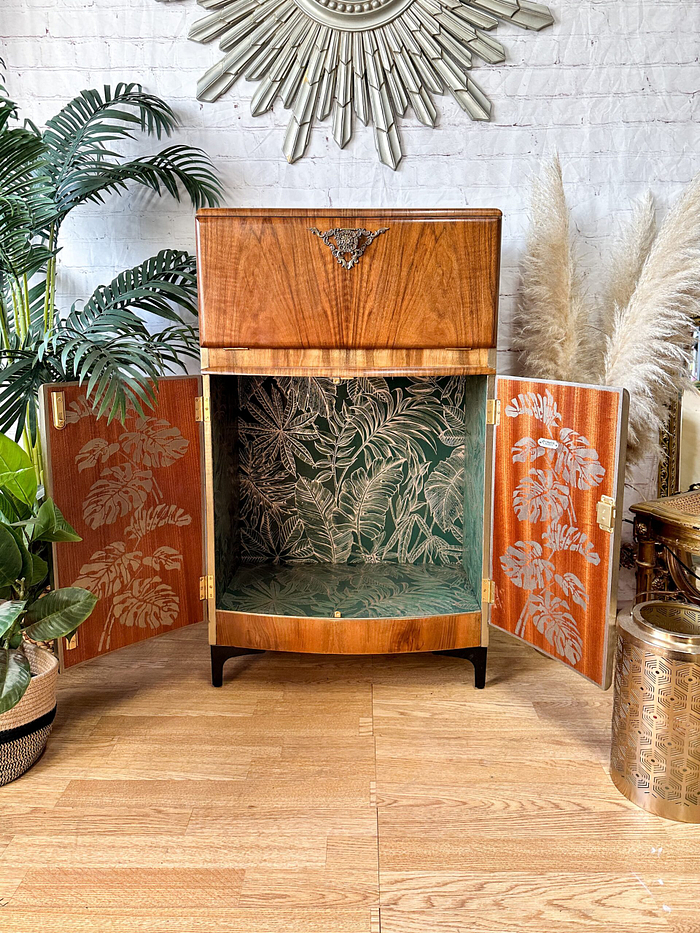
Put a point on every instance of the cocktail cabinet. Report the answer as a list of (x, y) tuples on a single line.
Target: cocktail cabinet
[(369, 485)]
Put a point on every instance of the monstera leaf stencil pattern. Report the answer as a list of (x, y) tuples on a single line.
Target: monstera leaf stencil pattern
[(557, 463), (366, 471), (125, 484)]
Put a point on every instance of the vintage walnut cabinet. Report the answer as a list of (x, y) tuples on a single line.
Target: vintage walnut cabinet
[(369, 485)]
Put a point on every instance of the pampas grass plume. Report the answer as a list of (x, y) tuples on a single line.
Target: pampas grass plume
[(552, 315), (628, 255), (640, 335), (648, 350)]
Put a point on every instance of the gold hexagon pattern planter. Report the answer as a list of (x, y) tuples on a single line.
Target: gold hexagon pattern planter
[(655, 756)]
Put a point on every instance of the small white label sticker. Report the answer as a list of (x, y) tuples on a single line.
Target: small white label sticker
[(547, 442)]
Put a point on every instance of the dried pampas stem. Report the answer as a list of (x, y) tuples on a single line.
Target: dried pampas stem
[(649, 346), (628, 256), (552, 316), (642, 335)]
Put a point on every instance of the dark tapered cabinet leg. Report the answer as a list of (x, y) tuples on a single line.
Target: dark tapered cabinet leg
[(478, 658), (222, 653)]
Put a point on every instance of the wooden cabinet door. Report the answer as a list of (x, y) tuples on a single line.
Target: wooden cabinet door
[(133, 492), (559, 453)]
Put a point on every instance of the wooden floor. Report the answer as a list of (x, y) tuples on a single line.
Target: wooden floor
[(334, 795)]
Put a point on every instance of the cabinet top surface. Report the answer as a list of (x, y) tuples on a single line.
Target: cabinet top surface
[(396, 213)]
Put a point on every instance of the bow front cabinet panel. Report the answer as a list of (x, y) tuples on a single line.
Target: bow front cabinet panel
[(368, 484)]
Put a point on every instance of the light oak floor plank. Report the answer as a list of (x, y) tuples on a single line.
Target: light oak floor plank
[(176, 920), (467, 921), (334, 795)]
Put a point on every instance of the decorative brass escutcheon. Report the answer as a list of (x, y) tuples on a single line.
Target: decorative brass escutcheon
[(350, 244)]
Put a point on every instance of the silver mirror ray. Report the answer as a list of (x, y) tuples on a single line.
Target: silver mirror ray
[(369, 59)]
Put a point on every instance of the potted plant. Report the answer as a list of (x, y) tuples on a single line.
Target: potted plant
[(30, 612)]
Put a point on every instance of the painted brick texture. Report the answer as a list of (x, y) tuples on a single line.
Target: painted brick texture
[(614, 86)]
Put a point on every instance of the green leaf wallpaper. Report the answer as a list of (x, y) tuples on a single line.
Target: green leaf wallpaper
[(364, 471), (372, 591)]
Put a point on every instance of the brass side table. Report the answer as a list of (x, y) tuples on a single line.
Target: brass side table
[(667, 534)]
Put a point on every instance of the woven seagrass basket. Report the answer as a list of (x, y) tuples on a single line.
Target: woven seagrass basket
[(24, 730)]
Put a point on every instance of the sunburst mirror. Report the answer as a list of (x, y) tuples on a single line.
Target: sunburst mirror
[(364, 59)]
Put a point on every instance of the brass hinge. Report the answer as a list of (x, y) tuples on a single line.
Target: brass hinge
[(493, 411), (71, 641), (606, 510), (488, 591), (206, 587), (58, 410), (202, 409)]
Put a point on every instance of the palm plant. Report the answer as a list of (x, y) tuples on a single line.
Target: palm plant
[(104, 343)]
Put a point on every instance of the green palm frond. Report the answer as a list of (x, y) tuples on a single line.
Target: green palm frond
[(83, 166), (153, 286), (8, 108), (80, 131), (173, 169), (15, 236), (118, 369), (172, 344), (25, 200), (107, 345), (20, 382), (36, 301)]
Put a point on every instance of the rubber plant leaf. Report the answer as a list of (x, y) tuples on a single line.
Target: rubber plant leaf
[(58, 613), (9, 613), (26, 571), (40, 570), (10, 557), (50, 525), (15, 676), (17, 474)]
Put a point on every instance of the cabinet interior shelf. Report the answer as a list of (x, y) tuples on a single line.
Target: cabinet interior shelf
[(356, 500), (357, 591)]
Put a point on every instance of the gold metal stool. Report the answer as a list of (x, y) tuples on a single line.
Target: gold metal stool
[(655, 756), (667, 533)]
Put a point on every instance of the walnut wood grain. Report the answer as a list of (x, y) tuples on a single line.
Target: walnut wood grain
[(348, 636), (429, 281), (349, 363), (600, 418), (173, 488)]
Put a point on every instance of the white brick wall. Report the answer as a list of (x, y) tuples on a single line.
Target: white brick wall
[(614, 86)]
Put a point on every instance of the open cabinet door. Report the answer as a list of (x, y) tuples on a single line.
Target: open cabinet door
[(133, 492), (557, 512)]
